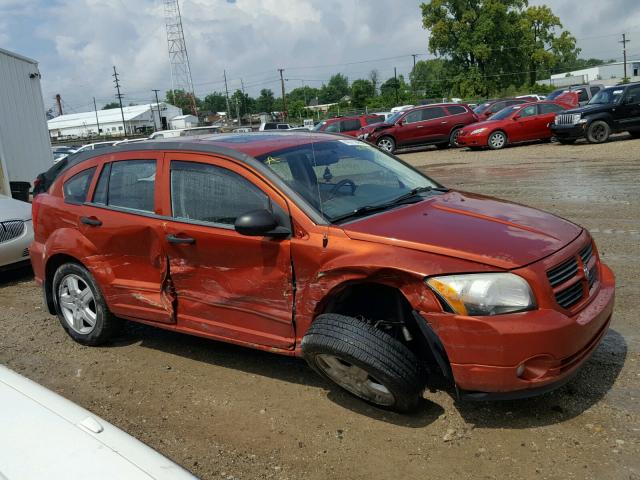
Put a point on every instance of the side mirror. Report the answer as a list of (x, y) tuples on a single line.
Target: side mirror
[(400, 122), (259, 223)]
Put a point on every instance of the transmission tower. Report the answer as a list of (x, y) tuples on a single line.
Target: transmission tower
[(178, 57)]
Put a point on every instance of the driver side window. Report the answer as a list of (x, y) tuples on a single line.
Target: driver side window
[(528, 111), (633, 95)]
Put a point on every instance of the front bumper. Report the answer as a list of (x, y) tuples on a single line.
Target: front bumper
[(472, 140), (487, 353), (568, 131), (15, 252)]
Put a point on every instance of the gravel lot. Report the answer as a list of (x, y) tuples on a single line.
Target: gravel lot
[(226, 412)]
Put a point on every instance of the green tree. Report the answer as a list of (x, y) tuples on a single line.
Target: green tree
[(111, 105), (265, 102), (304, 94), (336, 89), (181, 99), (542, 45), (361, 91), (429, 78), (214, 102)]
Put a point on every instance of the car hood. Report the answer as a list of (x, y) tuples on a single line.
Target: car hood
[(484, 123), (11, 209), (591, 108), (471, 227)]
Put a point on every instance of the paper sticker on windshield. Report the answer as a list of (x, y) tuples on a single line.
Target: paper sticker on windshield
[(618, 92), (355, 143), (271, 160)]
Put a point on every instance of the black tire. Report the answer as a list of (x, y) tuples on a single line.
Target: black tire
[(497, 140), (598, 131), (106, 325), (386, 362), (453, 138), (388, 144), (567, 141)]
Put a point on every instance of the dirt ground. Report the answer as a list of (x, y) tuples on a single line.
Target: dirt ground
[(227, 412)]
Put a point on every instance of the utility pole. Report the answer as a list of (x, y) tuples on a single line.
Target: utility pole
[(119, 96), (624, 42), (238, 111), (413, 88), (395, 76), (59, 103), (284, 97), (155, 90), (95, 109), (244, 103), (414, 55), (226, 90)]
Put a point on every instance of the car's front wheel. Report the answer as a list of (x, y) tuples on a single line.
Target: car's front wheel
[(453, 138), (598, 132), (80, 306), (364, 361), (388, 144), (497, 140)]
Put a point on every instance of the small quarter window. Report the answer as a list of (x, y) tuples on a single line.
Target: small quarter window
[(77, 187), (350, 125), (456, 109)]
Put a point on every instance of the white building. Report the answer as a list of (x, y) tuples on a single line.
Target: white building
[(609, 74), (136, 119), (184, 121), (25, 150)]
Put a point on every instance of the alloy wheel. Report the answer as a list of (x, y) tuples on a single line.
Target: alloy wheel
[(77, 304), (354, 379), (386, 145), (497, 140)]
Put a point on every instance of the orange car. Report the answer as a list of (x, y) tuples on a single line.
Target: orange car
[(324, 247)]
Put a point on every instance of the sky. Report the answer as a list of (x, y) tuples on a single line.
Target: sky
[(77, 42)]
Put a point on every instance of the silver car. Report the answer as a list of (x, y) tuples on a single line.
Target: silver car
[(16, 232)]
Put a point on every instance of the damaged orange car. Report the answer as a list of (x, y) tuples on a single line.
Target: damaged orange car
[(324, 247)]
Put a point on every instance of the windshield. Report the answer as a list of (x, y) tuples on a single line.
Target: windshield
[(481, 108), (505, 112), (393, 118), (606, 96), (341, 176)]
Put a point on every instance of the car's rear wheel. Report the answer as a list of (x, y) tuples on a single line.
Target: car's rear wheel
[(598, 132), (388, 144), (364, 361), (80, 306), (453, 138), (497, 140)]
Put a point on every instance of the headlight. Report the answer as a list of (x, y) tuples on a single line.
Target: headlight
[(363, 136), (484, 293), (477, 131), (576, 118)]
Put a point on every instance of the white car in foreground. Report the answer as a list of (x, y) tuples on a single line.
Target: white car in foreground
[(46, 436), (16, 233)]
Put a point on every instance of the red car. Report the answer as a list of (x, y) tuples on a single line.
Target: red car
[(487, 109), (322, 247), (518, 123), (437, 125), (347, 125)]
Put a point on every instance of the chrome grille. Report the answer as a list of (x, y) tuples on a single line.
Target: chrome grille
[(10, 230), (564, 119), (568, 270)]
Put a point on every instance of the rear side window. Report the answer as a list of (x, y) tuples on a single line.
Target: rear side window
[(433, 112), (76, 188), (349, 125), (456, 110), (128, 184), (212, 194)]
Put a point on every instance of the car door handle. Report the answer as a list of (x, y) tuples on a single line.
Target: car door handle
[(181, 240), (444, 123), (419, 126), (92, 221)]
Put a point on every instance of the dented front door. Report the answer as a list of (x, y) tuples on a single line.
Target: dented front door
[(227, 285)]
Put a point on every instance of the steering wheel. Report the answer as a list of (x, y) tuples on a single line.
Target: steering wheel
[(342, 183)]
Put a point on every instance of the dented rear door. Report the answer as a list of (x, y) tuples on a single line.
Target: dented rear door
[(227, 285), (121, 222)]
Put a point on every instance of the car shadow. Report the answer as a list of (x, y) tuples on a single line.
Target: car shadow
[(590, 385), (13, 276), (265, 364)]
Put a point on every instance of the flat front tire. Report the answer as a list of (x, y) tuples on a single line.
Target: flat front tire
[(80, 306), (598, 132), (364, 361)]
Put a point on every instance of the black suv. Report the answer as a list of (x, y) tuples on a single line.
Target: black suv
[(612, 110)]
